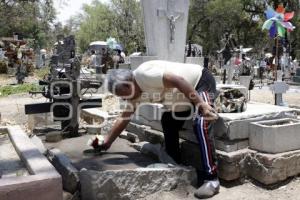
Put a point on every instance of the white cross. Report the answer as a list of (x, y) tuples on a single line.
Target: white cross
[(172, 17)]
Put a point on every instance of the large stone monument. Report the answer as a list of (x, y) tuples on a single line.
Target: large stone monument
[(165, 24)]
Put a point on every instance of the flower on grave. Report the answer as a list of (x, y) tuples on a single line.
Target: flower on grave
[(96, 141), (278, 21)]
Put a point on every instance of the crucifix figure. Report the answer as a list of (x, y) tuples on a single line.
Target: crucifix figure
[(172, 19)]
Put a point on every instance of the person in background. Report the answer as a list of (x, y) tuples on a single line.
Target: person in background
[(123, 56), (93, 59)]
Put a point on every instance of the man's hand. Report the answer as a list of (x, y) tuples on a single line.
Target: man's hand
[(105, 146), (116, 130), (174, 81), (208, 112)]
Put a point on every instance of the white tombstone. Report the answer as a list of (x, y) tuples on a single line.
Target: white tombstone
[(229, 70), (165, 23), (245, 81), (136, 61)]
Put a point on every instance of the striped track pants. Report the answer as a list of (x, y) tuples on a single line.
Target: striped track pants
[(202, 130)]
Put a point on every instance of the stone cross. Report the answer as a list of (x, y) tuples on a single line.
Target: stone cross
[(165, 23)]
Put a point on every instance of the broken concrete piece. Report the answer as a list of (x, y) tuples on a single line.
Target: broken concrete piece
[(106, 190), (231, 145), (154, 136), (93, 129), (54, 136), (131, 137), (96, 116), (154, 150), (145, 133), (231, 165), (273, 168), (132, 184), (137, 129), (65, 168)]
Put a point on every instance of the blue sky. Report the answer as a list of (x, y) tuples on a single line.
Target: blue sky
[(67, 8)]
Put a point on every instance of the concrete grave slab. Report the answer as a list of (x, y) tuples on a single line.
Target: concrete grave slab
[(104, 173), (232, 126), (236, 125), (132, 184), (95, 115), (240, 163), (10, 163), (42, 176), (119, 156)]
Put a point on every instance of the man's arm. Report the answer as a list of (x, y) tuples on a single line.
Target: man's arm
[(173, 81), (117, 128)]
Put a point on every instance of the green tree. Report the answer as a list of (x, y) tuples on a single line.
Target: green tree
[(128, 24), (96, 24), (209, 19), (31, 19), (120, 19)]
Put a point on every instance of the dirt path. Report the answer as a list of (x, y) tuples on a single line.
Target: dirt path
[(264, 95), (12, 108), (246, 191)]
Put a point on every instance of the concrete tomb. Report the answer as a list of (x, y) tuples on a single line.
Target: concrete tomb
[(25, 170)]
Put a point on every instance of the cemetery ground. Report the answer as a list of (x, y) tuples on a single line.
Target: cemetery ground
[(12, 112)]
